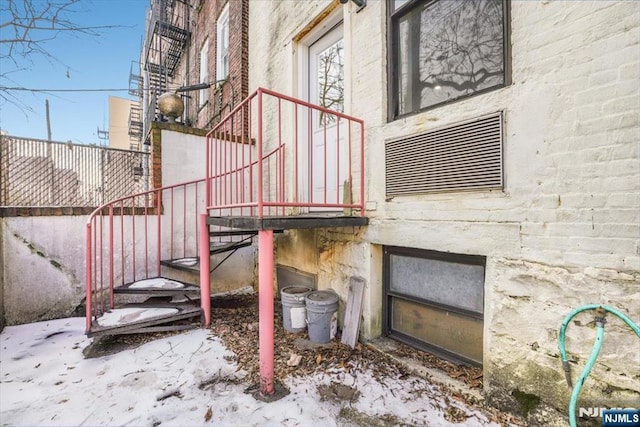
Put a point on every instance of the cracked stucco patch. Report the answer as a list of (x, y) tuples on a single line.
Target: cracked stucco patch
[(41, 253), (36, 285)]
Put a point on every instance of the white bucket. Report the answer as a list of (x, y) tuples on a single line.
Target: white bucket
[(294, 312)]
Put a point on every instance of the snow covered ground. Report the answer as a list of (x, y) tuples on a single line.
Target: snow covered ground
[(189, 379)]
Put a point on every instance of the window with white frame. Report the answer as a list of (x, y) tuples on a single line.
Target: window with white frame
[(204, 72), (444, 50), (222, 46)]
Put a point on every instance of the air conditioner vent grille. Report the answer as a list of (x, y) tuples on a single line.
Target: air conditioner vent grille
[(465, 156)]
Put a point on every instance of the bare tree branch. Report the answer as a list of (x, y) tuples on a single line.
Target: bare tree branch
[(452, 48), (26, 28)]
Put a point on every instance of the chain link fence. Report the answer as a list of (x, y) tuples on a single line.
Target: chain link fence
[(38, 173)]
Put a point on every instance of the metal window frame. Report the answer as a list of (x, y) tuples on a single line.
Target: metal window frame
[(388, 295), (393, 16)]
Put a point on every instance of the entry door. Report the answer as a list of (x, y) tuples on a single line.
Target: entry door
[(328, 145)]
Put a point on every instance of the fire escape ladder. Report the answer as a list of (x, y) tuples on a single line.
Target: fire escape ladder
[(135, 122), (136, 82), (165, 41)]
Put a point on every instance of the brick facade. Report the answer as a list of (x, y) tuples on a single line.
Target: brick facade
[(564, 230), (220, 98)]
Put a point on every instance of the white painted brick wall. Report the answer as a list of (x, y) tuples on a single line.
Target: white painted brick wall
[(569, 214)]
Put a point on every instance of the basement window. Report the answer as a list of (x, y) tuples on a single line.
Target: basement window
[(435, 301)]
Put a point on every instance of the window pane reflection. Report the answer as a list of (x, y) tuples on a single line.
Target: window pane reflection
[(330, 79)]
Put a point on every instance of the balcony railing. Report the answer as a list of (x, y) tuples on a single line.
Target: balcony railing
[(278, 155)]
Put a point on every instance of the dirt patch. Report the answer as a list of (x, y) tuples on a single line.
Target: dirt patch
[(355, 417), (338, 392), (237, 326), (279, 391)]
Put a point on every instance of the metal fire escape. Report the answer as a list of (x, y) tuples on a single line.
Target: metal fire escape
[(136, 84), (165, 41)]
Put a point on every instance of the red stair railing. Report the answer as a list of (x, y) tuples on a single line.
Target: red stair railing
[(272, 155), (127, 238), (275, 155), (278, 155)]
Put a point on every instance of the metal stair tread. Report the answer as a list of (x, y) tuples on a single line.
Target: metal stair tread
[(192, 264), (171, 287), (180, 311)]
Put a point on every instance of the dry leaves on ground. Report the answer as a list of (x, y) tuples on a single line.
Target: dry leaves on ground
[(235, 321)]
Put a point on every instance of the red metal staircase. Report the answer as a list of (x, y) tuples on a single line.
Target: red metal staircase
[(274, 163), (134, 246)]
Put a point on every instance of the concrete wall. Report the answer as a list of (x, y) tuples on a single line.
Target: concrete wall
[(42, 267), (2, 317), (42, 258), (183, 159), (565, 229)]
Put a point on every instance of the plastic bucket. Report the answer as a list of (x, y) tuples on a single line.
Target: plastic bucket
[(322, 316), (293, 308)]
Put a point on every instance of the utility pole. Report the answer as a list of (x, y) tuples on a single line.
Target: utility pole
[(46, 106), (51, 188)]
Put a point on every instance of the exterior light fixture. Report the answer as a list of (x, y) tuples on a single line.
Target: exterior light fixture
[(189, 88), (360, 3), (171, 106)]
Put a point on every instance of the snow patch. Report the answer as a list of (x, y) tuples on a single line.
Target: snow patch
[(120, 316), (157, 283)]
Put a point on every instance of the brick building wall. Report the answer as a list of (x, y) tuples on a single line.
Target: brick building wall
[(565, 229), (221, 98)]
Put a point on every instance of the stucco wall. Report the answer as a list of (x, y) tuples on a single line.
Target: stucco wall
[(183, 159), (43, 267), (42, 258), (2, 317), (564, 231)]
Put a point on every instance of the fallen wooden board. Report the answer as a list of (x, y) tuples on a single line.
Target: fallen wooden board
[(352, 312)]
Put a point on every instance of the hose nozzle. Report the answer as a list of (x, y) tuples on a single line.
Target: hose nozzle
[(567, 372)]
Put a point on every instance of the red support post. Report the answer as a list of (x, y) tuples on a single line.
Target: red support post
[(205, 290), (89, 287), (265, 310), (110, 257), (159, 231)]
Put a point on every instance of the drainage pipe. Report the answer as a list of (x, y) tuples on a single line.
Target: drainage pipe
[(601, 311)]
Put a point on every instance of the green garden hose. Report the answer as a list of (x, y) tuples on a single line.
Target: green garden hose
[(601, 311)]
